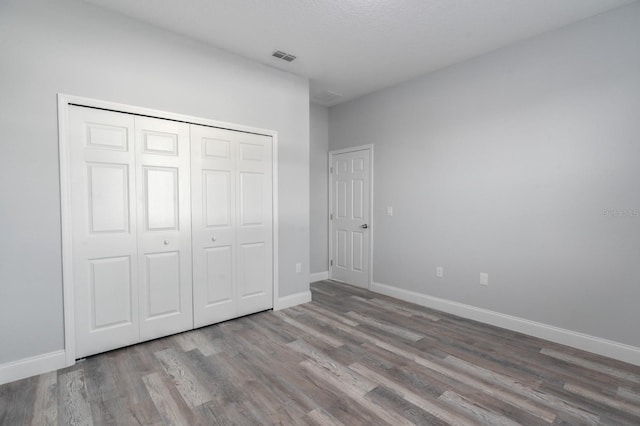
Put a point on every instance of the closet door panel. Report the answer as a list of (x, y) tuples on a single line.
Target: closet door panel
[(164, 228), (103, 206), (213, 220), (255, 223)]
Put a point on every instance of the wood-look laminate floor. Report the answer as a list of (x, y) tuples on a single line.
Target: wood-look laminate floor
[(349, 357)]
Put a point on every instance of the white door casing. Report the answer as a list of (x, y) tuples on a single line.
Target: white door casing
[(350, 216), (164, 226)]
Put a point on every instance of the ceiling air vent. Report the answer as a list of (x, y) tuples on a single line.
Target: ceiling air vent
[(284, 56)]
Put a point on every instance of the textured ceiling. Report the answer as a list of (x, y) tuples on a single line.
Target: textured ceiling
[(354, 47)]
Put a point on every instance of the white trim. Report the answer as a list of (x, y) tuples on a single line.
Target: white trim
[(318, 276), (597, 345), (65, 189), (274, 211), (32, 366), (369, 148), (65, 215), (293, 300)]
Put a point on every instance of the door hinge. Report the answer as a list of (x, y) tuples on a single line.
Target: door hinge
[(331, 216), (330, 169), (331, 262)]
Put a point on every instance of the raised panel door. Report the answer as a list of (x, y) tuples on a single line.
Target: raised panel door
[(254, 232), (350, 226), (164, 227), (213, 183), (103, 206)]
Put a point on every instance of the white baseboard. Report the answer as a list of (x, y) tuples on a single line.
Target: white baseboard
[(32, 366), (292, 300), (608, 348), (318, 276)]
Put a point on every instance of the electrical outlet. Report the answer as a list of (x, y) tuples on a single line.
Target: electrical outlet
[(298, 267), (439, 272), (484, 278)]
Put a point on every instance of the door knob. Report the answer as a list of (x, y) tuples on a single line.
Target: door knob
[(365, 226), (166, 242), (213, 239)]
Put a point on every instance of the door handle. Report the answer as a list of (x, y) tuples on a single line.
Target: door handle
[(365, 226)]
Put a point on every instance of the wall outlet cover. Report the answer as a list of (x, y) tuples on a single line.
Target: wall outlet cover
[(484, 278)]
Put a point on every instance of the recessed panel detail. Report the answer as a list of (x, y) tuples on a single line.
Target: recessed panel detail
[(341, 199), (357, 261), (216, 193), (357, 198), (161, 196), (160, 143), (216, 148), (219, 275), (341, 249), (108, 198), (357, 165), (253, 266), (251, 202), (249, 152), (110, 291), (341, 167), (163, 283), (107, 137)]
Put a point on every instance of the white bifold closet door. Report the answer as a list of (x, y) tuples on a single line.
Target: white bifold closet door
[(231, 178), (131, 243), (164, 227)]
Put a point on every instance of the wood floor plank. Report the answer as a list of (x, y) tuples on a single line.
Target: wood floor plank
[(320, 417), (619, 404), (354, 393), (471, 409), (431, 407), (192, 391), (629, 395), (168, 407), (532, 394), (611, 371), (385, 326), (45, 407), (16, 401), (73, 404), (309, 330)]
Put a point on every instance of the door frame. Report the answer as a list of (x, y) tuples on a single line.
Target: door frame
[(64, 102), (332, 154)]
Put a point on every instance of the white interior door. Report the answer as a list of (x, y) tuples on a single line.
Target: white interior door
[(103, 206), (213, 183), (350, 217), (164, 227)]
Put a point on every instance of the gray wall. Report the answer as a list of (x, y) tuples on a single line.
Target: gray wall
[(319, 202), (505, 164), (71, 47)]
